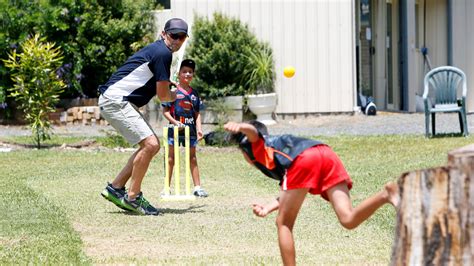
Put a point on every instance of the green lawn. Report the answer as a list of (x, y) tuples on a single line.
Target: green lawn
[(52, 212)]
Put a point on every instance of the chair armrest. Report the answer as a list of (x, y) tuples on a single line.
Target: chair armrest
[(427, 103)]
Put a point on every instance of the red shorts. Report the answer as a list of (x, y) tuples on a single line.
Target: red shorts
[(317, 168)]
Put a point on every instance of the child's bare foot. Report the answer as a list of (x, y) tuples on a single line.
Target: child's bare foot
[(393, 197)]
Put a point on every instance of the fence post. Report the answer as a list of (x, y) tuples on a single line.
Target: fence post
[(435, 220)]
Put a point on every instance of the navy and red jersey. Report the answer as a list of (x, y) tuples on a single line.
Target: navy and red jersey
[(185, 107), (273, 155)]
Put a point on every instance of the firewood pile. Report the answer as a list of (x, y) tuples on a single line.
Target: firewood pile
[(78, 115), (84, 112)]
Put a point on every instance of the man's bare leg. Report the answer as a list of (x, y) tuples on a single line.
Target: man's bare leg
[(149, 147), (124, 175)]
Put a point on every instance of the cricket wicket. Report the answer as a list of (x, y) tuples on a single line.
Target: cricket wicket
[(177, 186)]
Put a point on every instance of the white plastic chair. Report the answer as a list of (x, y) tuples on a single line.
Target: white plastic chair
[(441, 95)]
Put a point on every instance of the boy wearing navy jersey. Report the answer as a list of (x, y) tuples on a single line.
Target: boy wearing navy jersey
[(185, 111), (302, 166)]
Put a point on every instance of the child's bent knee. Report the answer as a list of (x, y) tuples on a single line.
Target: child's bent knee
[(348, 222), (348, 225)]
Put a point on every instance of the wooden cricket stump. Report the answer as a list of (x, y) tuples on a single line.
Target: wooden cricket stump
[(177, 194)]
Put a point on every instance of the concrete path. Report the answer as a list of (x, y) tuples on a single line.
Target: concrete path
[(382, 124), (322, 125)]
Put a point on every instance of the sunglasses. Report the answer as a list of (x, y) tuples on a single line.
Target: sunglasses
[(177, 36)]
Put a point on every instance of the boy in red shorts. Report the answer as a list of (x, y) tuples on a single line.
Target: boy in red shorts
[(302, 165)]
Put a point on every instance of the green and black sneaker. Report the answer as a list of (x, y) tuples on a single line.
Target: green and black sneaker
[(114, 195), (139, 205)]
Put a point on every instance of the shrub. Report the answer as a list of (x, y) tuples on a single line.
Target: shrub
[(259, 76), (3, 98), (221, 109), (219, 48), (4, 112), (113, 140), (37, 87), (222, 112), (17, 19), (96, 36)]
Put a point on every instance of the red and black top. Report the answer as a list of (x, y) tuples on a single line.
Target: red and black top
[(273, 155)]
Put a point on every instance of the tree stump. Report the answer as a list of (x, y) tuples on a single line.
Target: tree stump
[(435, 219)]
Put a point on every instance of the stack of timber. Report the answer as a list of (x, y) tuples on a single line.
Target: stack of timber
[(78, 115), (85, 115)]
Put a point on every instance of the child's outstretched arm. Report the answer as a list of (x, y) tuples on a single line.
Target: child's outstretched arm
[(264, 210), (247, 129)]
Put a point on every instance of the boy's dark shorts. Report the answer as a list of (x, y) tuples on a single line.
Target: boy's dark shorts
[(192, 141)]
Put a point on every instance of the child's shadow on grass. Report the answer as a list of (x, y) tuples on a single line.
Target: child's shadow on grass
[(164, 211), (190, 209)]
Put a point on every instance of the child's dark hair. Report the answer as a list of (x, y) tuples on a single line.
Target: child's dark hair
[(188, 63), (261, 128), (238, 137)]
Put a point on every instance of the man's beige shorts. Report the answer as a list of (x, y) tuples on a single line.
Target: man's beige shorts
[(126, 119)]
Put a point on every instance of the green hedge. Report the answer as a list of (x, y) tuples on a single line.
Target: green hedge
[(96, 36), (220, 48)]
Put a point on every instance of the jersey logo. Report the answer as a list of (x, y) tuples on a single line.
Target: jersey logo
[(186, 105), (179, 96), (193, 97)]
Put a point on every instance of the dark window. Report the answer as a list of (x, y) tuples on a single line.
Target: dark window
[(164, 3)]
